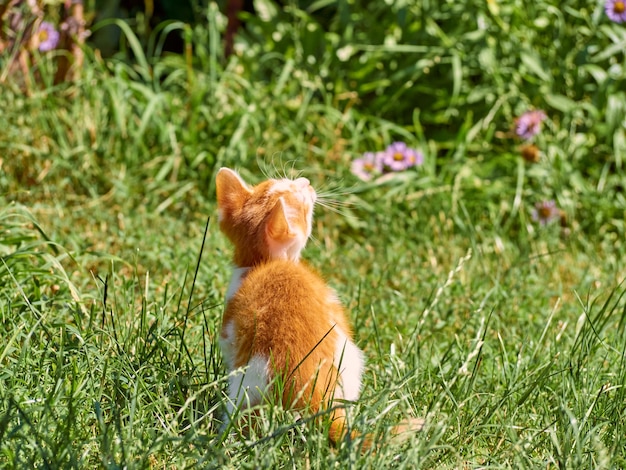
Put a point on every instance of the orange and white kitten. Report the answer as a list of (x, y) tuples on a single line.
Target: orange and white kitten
[(282, 323)]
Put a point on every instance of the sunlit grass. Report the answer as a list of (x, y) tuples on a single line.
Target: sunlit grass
[(511, 365), (508, 337)]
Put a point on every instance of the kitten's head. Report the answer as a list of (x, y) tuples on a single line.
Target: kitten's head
[(269, 221)]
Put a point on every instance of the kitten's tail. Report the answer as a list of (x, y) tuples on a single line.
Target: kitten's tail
[(399, 433)]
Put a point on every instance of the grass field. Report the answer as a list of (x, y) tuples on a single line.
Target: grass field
[(507, 335)]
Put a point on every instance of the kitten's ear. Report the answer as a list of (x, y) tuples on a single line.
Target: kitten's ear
[(231, 191), (278, 229)]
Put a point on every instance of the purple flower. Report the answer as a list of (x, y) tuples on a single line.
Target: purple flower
[(398, 157), (48, 36), (528, 124), (545, 212), (616, 10), (368, 166)]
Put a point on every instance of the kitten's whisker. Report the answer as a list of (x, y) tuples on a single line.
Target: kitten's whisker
[(339, 210), (286, 171), (316, 241), (279, 168), (281, 171), (336, 191), (296, 173), (335, 203), (273, 170), (264, 165)]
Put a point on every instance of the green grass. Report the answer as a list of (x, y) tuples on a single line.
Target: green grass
[(510, 368), (507, 336)]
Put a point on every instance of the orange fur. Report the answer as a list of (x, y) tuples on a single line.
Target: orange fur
[(281, 320), (283, 314)]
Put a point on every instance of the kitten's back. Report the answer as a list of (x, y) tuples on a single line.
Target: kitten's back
[(285, 314)]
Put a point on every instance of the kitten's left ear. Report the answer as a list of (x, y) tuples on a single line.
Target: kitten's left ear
[(231, 191)]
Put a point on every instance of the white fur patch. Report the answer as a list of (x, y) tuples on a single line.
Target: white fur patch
[(350, 363), (333, 298), (290, 250), (246, 386), (235, 282), (299, 187), (280, 186), (227, 345)]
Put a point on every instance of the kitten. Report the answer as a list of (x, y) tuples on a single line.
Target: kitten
[(282, 323), (281, 319)]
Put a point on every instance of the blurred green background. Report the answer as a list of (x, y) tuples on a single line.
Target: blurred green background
[(507, 334)]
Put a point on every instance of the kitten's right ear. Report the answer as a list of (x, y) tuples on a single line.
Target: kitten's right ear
[(278, 228), (231, 191), (280, 234)]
